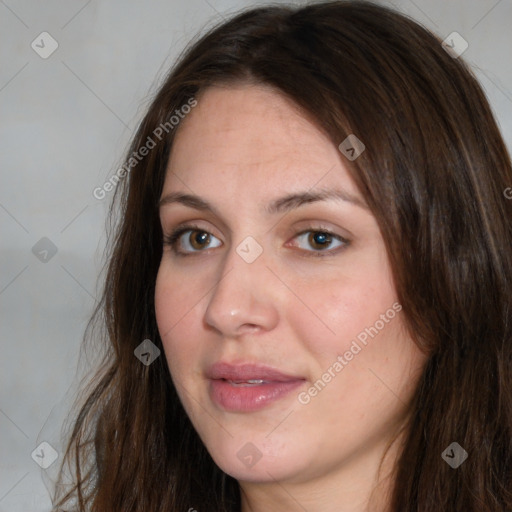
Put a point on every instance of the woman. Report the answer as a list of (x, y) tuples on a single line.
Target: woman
[(313, 269)]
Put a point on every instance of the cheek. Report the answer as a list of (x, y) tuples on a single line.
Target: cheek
[(343, 310), (177, 294), (177, 315), (167, 307)]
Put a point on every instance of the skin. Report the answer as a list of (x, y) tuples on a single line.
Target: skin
[(242, 147)]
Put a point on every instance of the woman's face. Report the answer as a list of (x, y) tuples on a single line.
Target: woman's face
[(276, 304)]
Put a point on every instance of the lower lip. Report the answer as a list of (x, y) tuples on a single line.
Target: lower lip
[(249, 398)]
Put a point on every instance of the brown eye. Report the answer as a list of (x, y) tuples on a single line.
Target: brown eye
[(199, 239), (188, 240), (319, 242)]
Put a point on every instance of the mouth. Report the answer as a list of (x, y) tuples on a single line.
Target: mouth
[(247, 373), (250, 382), (248, 387)]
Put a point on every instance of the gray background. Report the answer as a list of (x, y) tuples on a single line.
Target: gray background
[(65, 123)]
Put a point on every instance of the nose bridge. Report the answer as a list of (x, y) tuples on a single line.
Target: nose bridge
[(242, 296)]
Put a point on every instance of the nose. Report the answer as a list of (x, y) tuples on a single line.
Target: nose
[(244, 300)]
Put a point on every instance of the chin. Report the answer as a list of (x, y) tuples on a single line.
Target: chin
[(257, 461)]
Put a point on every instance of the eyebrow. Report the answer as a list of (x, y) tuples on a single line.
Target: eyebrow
[(280, 205)]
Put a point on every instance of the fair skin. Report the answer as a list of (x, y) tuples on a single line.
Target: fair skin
[(240, 149)]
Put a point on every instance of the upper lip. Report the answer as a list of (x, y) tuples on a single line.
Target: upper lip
[(248, 371)]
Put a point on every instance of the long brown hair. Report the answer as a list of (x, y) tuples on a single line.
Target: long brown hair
[(433, 173)]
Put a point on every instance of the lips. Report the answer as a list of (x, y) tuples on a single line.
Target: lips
[(248, 387), (245, 373)]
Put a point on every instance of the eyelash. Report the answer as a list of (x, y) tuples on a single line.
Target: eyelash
[(172, 239)]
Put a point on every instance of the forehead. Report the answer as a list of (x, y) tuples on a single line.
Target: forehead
[(251, 138)]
